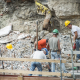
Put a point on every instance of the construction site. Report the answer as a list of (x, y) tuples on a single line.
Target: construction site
[(23, 23)]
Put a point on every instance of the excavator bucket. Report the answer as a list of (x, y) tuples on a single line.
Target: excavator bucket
[(41, 7)]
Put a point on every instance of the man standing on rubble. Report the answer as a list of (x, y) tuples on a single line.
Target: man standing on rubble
[(38, 55), (54, 45), (76, 32)]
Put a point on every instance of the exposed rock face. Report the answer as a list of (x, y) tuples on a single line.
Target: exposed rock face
[(23, 16), (65, 8), (23, 13)]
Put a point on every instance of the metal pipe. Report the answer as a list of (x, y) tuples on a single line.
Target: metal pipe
[(72, 59), (60, 66), (37, 34), (2, 62), (72, 64)]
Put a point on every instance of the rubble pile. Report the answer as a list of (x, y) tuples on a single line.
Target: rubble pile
[(23, 48)]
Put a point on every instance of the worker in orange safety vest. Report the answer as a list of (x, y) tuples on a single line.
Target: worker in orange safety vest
[(41, 44)]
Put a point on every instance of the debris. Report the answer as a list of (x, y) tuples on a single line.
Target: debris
[(1, 14), (6, 30), (23, 36)]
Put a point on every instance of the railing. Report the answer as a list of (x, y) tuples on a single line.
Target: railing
[(33, 72), (73, 64)]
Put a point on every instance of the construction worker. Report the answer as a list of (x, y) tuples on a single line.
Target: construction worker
[(41, 44), (54, 45), (38, 55), (76, 32)]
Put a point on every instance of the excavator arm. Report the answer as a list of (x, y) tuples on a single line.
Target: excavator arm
[(42, 8), (45, 11)]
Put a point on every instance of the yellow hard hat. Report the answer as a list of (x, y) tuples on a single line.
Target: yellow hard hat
[(67, 22), (9, 46)]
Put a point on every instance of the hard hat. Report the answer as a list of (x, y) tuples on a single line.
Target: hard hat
[(55, 31), (9, 46), (67, 22), (45, 50)]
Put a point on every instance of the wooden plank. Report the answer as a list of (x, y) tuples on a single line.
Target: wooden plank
[(75, 64), (20, 78), (45, 78), (34, 72), (69, 52), (75, 73), (32, 60), (8, 78), (33, 78)]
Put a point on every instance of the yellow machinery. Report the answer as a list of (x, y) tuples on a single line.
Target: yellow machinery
[(42, 8), (44, 11)]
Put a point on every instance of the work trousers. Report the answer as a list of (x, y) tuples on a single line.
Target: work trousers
[(34, 65), (54, 55), (77, 47)]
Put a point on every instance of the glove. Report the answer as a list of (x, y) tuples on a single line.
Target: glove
[(34, 49), (74, 46), (49, 70)]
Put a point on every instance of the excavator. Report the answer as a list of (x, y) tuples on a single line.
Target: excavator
[(45, 11), (50, 22)]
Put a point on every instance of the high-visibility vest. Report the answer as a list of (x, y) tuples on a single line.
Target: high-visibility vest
[(41, 44)]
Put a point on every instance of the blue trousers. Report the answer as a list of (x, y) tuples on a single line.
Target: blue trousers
[(55, 56), (77, 47), (34, 65)]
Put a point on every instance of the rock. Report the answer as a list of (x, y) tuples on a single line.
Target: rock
[(41, 34), (33, 38), (9, 38), (22, 36), (6, 30), (67, 10)]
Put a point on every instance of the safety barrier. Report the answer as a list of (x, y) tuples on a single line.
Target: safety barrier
[(71, 52), (33, 72)]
